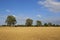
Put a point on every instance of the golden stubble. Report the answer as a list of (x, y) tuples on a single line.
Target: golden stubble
[(29, 33)]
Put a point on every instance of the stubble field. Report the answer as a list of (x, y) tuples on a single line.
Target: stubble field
[(29, 33)]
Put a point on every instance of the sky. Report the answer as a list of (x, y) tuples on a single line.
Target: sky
[(43, 10)]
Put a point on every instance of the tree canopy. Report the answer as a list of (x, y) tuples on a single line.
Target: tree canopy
[(38, 23), (29, 22), (11, 20)]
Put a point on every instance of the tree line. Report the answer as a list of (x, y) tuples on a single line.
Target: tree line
[(11, 21)]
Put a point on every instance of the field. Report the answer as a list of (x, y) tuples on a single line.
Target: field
[(29, 33)]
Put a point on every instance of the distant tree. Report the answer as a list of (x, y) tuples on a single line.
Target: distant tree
[(57, 25), (11, 20), (45, 24), (29, 22), (38, 23), (49, 24), (53, 25)]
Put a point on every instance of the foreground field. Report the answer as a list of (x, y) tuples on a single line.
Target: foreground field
[(29, 33)]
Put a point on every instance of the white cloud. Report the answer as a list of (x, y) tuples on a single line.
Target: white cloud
[(14, 15), (21, 19), (8, 10), (52, 5), (39, 16)]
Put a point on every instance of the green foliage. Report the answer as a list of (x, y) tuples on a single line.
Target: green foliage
[(49, 24), (53, 25), (45, 24), (38, 23), (29, 22), (11, 20)]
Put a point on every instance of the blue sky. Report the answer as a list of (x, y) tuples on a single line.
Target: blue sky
[(44, 10)]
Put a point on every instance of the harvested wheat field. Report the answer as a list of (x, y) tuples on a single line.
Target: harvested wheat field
[(29, 33)]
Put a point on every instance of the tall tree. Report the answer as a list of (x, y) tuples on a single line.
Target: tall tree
[(38, 23), (53, 25), (29, 22), (45, 24), (11, 20), (49, 24)]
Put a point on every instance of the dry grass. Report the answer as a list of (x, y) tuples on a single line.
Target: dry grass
[(29, 33)]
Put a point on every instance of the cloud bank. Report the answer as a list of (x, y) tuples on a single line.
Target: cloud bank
[(52, 5)]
